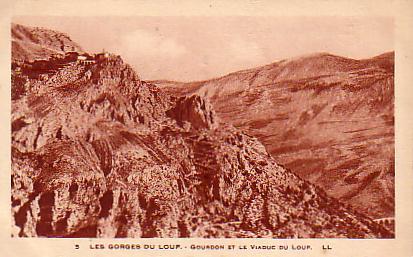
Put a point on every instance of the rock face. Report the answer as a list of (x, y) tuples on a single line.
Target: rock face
[(327, 118), (96, 152), (195, 110)]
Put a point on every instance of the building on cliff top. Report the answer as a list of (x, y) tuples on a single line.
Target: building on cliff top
[(85, 59)]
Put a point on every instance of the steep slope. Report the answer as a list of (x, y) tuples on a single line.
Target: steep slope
[(327, 118), (96, 152), (31, 43)]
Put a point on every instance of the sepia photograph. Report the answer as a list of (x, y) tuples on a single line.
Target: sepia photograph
[(140, 130), (206, 128)]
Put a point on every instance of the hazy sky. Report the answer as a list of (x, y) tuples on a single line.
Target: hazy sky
[(197, 48)]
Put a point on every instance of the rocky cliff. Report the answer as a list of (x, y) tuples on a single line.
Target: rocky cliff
[(96, 152)]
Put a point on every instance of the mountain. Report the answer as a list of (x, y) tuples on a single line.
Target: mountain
[(97, 152), (327, 118), (31, 43)]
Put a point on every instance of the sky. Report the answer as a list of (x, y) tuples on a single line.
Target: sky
[(192, 48)]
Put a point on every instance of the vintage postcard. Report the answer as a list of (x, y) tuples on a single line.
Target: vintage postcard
[(206, 128)]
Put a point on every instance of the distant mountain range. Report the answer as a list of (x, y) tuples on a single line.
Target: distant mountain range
[(327, 118), (97, 152)]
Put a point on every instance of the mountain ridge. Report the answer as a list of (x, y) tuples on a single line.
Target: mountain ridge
[(389, 55)]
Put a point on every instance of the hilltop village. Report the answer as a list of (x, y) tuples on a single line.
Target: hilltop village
[(45, 67)]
